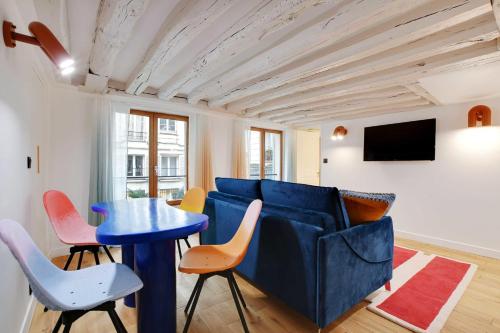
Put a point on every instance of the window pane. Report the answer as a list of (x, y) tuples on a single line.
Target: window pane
[(138, 157), (163, 125), (254, 160), (138, 128), (172, 149), (171, 125), (130, 166), (272, 156)]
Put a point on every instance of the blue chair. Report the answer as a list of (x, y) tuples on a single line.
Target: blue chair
[(73, 292)]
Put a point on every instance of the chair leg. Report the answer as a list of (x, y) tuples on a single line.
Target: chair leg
[(238, 291), (58, 325), (193, 307), (196, 286), (187, 242), (179, 248), (68, 262), (96, 256), (238, 307), (108, 253), (120, 328), (67, 328), (80, 260)]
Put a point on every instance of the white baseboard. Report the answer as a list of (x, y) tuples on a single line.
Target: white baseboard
[(28, 316), (482, 251)]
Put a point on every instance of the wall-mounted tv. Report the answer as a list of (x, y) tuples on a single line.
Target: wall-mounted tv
[(409, 141)]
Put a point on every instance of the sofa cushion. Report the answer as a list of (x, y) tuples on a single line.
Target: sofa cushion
[(318, 198), (363, 207), (314, 218), (230, 198), (241, 187)]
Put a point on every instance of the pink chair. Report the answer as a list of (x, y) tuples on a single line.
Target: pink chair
[(71, 228)]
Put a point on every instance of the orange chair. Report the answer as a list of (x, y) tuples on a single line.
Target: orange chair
[(194, 202), (210, 260)]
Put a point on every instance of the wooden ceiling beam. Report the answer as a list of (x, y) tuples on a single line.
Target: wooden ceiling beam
[(115, 22), (267, 18), (351, 18), (355, 98), (188, 19), (410, 97), (418, 90), (362, 112), (463, 58), (345, 62)]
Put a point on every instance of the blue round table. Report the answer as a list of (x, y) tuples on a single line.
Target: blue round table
[(147, 229)]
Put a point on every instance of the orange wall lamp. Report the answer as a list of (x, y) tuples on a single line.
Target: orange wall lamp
[(43, 38), (338, 133), (479, 115)]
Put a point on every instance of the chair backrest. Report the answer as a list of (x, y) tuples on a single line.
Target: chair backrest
[(238, 245), (62, 214), (36, 267), (194, 200)]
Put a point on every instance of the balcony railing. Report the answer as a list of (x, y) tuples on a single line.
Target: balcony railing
[(169, 172), (162, 173), (137, 136)]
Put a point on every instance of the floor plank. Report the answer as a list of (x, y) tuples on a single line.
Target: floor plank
[(477, 311)]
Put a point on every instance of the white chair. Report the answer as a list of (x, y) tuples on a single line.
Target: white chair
[(73, 292)]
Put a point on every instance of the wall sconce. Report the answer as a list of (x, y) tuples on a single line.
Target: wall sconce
[(338, 133), (479, 115), (44, 38)]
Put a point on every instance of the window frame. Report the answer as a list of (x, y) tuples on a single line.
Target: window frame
[(263, 132), (153, 147)]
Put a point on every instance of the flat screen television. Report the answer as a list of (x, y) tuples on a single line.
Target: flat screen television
[(409, 141)]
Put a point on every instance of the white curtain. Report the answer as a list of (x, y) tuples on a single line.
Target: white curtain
[(240, 149), (290, 140), (108, 172), (204, 172)]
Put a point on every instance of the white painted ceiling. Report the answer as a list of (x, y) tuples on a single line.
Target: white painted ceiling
[(295, 62), (472, 84)]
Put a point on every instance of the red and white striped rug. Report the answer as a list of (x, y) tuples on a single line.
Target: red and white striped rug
[(424, 290)]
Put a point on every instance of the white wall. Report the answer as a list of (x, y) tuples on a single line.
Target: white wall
[(452, 201), (23, 126)]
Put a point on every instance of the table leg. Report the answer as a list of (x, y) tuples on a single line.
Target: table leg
[(156, 301), (128, 258)]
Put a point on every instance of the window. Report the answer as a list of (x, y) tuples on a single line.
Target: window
[(169, 166), (157, 164), (135, 166), (136, 129), (167, 125), (266, 154)]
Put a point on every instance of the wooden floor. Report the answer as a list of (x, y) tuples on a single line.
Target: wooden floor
[(477, 311)]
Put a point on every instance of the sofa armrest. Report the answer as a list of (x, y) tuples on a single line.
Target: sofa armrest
[(352, 263)]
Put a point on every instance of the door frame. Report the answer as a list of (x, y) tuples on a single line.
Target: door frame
[(153, 148)]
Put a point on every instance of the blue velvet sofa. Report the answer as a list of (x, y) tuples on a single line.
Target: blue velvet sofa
[(303, 251)]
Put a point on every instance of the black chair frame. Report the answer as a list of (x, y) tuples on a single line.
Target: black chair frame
[(235, 291), (178, 241), (67, 318)]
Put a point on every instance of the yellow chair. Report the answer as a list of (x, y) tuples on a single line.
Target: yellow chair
[(194, 202), (210, 260)]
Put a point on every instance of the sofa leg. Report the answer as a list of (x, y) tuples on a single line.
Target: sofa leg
[(388, 286)]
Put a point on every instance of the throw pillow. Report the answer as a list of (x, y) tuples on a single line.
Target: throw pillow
[(365, 207)]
